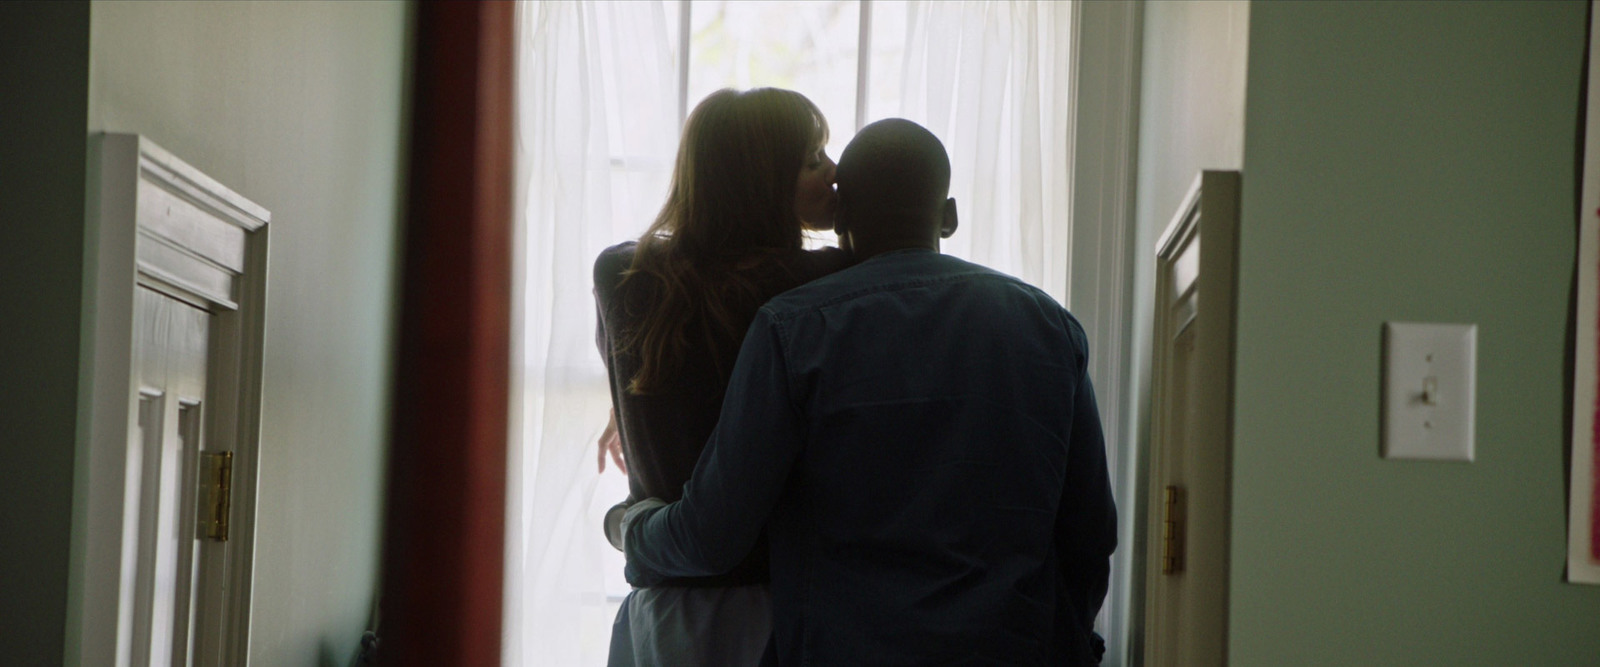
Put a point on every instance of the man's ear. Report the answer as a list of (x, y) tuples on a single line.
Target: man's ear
[(841, 224), (948, 223)]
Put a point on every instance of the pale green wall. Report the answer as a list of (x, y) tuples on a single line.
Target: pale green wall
[(1191, 117), (1405, 161), (44, 63), (298, 106)]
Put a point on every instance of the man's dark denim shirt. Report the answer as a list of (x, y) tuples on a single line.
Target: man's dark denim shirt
[(919, 437)]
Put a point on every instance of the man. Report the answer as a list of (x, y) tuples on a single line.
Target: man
[(919, 438)]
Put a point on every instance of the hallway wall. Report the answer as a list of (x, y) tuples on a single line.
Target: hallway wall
[(44, 62), (1414, 162), (1191, 117), (300, 107)]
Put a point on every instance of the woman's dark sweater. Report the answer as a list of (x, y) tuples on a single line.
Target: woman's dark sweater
[(664, 431)]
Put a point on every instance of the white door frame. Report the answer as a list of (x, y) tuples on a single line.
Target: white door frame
[(156, 222), (1191, 430)]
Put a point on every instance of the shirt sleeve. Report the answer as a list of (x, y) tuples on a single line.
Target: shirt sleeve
[(605, 277), (1086, 522), (738, 479), (601, 340)]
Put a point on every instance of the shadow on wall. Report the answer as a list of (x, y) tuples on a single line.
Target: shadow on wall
[(365, 653)]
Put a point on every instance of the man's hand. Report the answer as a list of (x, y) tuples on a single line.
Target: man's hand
[(611, 443)]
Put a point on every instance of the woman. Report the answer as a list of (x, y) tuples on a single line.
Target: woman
[(751, 175)]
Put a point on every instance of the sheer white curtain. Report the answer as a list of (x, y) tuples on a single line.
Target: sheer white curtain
[(992, 80), (597, 129)]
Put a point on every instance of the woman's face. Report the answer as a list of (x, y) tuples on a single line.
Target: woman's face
[(814, 198)]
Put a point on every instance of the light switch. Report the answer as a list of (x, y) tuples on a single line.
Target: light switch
[(1429, 390)]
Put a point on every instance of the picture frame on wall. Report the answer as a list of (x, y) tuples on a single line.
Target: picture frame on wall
[(1583, 533)]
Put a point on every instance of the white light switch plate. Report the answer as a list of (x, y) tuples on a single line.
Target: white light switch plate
[(1429, 390)]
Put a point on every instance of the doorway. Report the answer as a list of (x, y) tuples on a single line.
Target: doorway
[(163, 526)]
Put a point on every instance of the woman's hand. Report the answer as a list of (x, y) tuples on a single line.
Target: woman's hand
[(611, 443)]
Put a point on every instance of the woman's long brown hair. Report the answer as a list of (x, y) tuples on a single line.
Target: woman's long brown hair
[(730, 205)]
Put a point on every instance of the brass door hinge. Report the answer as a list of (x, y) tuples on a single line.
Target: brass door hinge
[(1172, 531), (216, 492)]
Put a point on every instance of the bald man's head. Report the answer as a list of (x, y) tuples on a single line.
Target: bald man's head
[(894, 184)]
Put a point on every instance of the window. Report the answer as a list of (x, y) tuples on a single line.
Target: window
[(812, 47), (602, 96)]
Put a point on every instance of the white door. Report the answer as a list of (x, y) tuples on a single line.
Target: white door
[(165, 584), (163, 523), (1186, 569)]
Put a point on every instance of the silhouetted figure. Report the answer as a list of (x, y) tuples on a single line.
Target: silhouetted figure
[(918, 436), (750, 176)]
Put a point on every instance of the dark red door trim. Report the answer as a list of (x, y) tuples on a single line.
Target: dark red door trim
[(445, 531)]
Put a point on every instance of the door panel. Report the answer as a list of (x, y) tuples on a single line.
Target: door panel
[(170, 352)]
